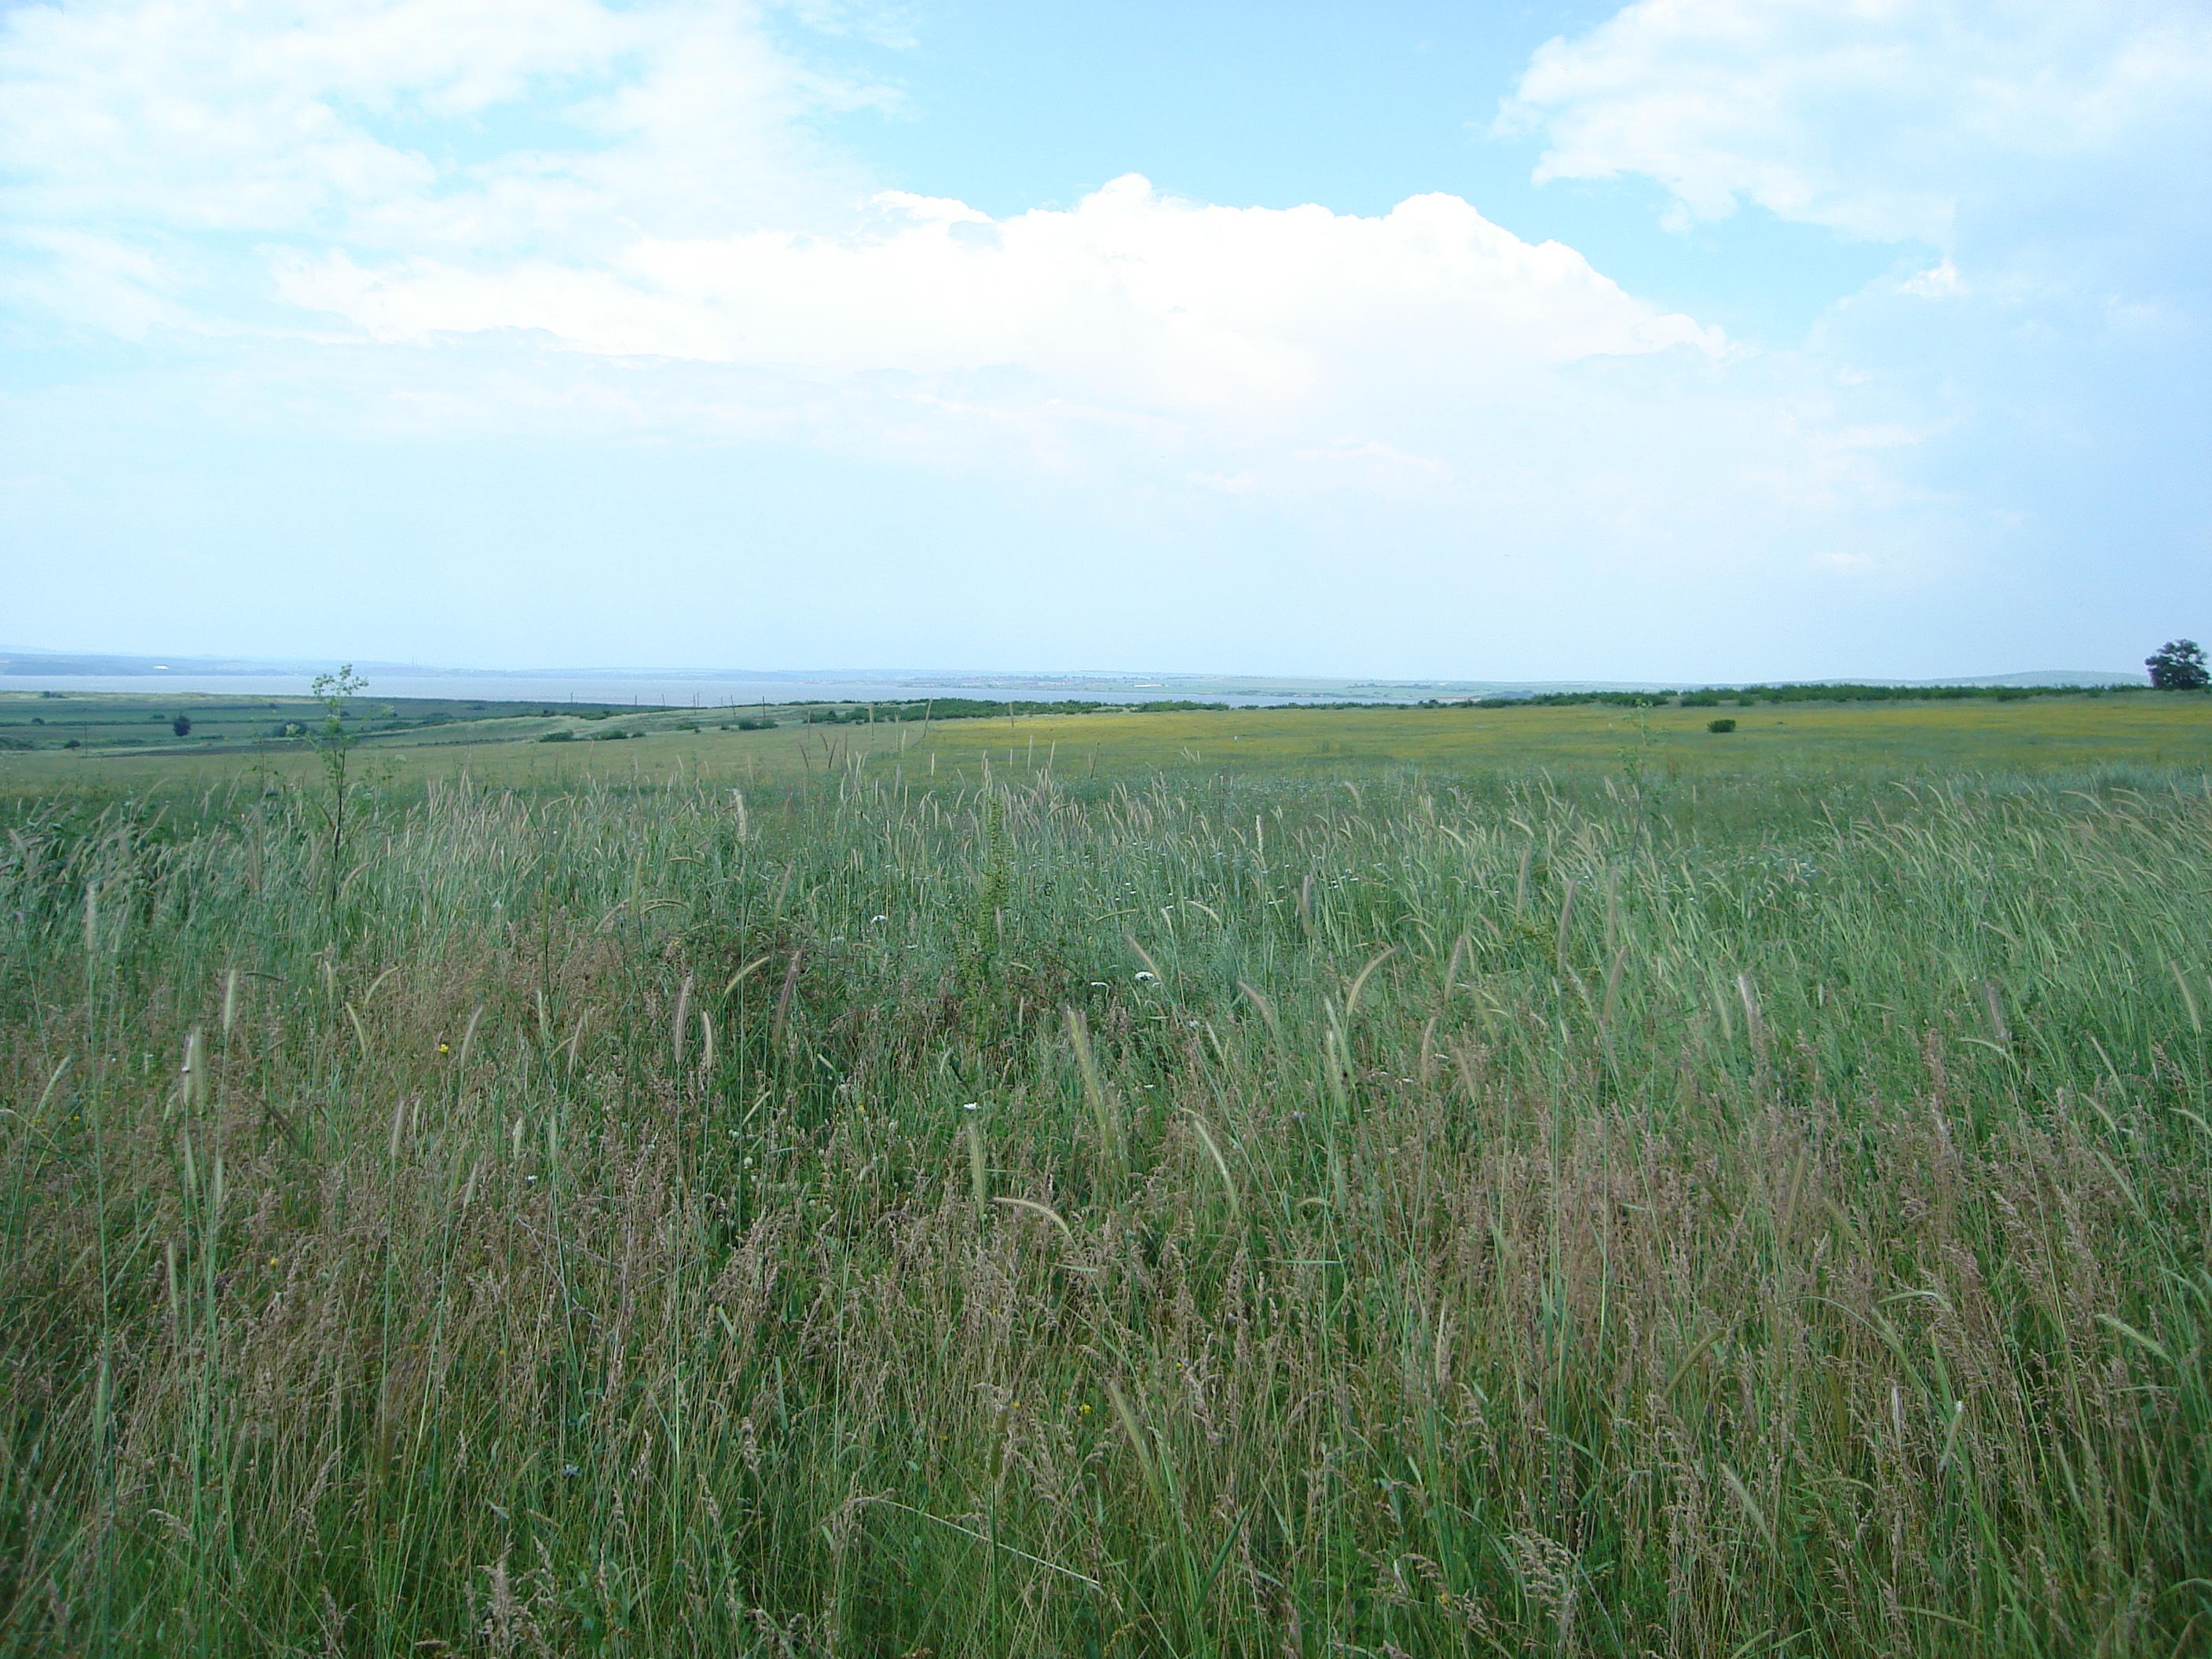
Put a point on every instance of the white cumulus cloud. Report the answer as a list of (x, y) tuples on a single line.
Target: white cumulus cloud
[(1127, 299), (646, 183), (1884, 119), (583, 220), (412, 125)]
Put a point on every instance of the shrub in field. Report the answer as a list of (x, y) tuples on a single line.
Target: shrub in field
[(1723, 723), (182, 726)]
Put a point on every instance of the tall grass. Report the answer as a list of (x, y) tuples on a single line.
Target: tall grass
[(1737, 1219)]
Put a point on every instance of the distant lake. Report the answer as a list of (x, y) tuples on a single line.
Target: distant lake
[(707, 691)]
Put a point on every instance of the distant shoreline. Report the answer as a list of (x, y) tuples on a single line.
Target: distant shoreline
[(92, 673)]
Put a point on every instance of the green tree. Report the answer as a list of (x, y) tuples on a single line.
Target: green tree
[(2178, 666), (182, 726)]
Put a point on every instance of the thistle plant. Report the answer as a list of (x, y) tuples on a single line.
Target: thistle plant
[(331, 745)]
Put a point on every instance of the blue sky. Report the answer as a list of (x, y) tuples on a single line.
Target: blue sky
[(1687, 339)]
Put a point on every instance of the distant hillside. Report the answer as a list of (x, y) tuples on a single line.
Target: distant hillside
[(73, 664), (2049, 677)]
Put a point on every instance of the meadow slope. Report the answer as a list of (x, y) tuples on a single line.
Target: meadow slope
[(1653, 1193)]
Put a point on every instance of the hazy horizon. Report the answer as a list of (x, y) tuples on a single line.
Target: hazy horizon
[(710, 686)]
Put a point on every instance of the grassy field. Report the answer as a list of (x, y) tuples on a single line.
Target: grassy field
[(1378, 1183), (402, 745)]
